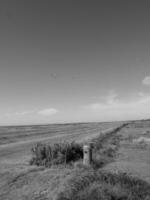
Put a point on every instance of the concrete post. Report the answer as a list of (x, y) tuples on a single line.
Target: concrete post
[(87, 154)]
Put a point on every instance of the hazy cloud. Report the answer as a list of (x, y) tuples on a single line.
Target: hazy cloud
[(48, 111), (19, 113), (146, 80), (112, 107), (44, 112)]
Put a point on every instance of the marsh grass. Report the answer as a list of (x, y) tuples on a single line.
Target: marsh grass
[(58, 153)]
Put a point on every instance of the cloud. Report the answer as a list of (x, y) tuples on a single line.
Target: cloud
[(44, 112), (113, 107), (19, 113), (48, 111), (146, 81)]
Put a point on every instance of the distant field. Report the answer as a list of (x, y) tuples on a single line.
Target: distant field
[(16, 141), (11, 134)]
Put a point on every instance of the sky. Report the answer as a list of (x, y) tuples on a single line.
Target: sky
[(74, 61)]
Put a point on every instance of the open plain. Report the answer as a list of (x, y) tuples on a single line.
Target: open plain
[(20, 181)]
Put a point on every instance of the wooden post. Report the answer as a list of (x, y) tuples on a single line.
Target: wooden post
[(87, 154)]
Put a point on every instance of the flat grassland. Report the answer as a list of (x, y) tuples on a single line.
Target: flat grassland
[(20, 181), (134, 157)]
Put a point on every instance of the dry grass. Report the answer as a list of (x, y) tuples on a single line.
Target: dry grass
[(94, 185), (142, 142)]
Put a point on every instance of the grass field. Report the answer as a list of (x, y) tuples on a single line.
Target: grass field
[(20, 181), (134, 158)]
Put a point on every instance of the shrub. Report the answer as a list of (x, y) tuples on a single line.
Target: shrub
[(59, 153), (95, 185)]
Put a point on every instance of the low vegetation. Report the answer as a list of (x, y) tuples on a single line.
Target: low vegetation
[(113, 152), (90, 184), (104, 148)]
